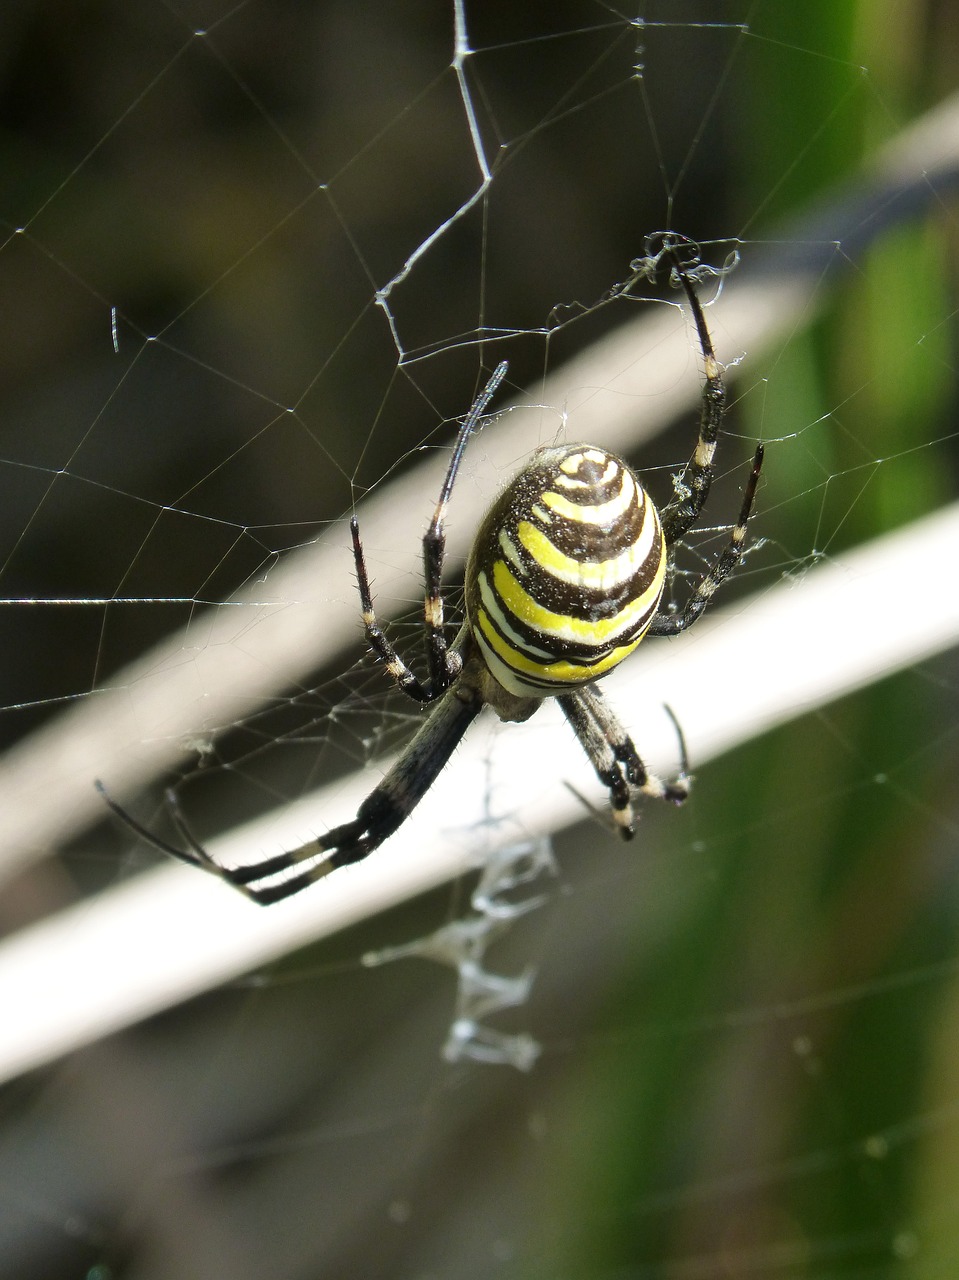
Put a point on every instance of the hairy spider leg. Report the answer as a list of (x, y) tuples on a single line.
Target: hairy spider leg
[(666, 624), (443, 664), (693, 484), (615, 759)]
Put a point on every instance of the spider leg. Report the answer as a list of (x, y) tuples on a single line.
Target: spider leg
[(672, 624), (615, 759), (693, 484), (380, 814), (683, 777), (195, 854), (197, 857), (376, 637), (444, 664)]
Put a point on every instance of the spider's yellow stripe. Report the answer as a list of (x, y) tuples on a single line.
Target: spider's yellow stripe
[(605, 513), (509, 666), (561, 626), (574, 461), (519, 643), (569, 466), (595, 575)]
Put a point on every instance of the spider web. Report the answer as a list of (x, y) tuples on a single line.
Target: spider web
[(256, 258)]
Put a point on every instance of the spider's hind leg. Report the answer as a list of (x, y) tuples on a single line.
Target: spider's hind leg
[(194, 855), (615, 759), (384, 810)]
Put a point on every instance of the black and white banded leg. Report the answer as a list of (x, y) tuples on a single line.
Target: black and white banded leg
[(380, 814), (668, 624), (693, 483), (615, 759), (443, 664)]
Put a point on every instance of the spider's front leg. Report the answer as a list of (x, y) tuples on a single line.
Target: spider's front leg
[(615, 759), (444, 663), (670, 624), (693, 484)]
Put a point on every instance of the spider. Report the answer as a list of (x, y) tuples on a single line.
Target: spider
[(564, 579)]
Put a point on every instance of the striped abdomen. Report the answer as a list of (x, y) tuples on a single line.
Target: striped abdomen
[(566, 572)]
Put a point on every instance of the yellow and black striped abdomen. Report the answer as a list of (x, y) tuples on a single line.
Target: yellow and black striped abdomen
[(566, 572)]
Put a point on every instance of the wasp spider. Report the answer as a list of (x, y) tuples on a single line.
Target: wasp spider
[(564, 580)]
